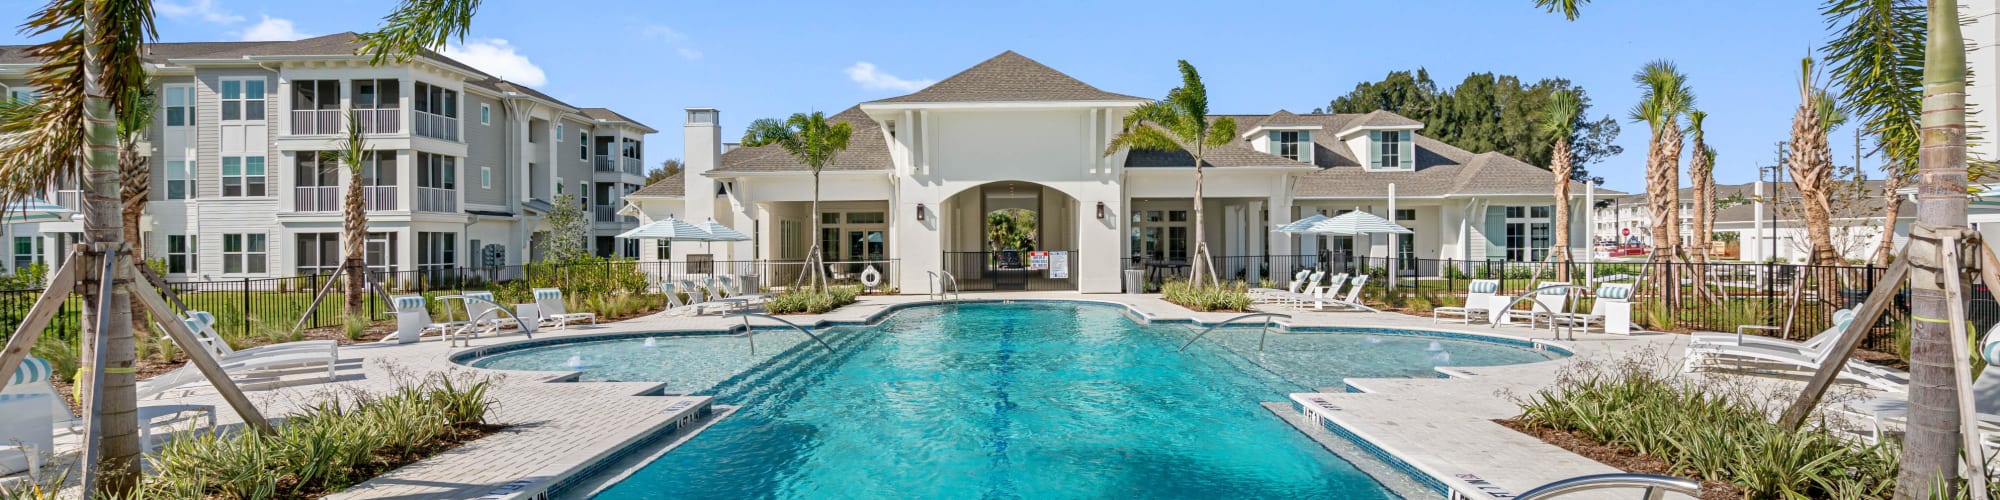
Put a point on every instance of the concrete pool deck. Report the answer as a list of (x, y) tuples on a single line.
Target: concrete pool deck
[(1440, 427)]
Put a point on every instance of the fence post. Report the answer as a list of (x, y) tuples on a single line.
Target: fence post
[(314, 288), (246, 307)]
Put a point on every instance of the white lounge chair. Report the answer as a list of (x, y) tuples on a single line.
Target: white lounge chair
[(1331, 294), (1314, 292), (1479, 296), (31, 410), (733, 286), (1742, 336), (1896, 407), (1780, 355), (486, 314), (553, 312), (202, 323), (413, 306), (1610, 308), (1261, 295), (1553, 302)]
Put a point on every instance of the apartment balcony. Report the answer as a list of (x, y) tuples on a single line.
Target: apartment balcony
[(609, 214), (607, 163), (316, 199), (70, 198), (315, 122), (437, 200), (635, 166), (380, 121), (436, 126), (378, 198)]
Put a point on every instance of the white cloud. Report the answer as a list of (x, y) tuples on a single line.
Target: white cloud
[(272, 29), (688, 54), (864, 73), (662, 32), (206, 10), (496, 56)]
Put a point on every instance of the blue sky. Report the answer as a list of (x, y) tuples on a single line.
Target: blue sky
[(651, 59)]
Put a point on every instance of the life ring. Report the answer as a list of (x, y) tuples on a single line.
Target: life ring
[(871, 277)]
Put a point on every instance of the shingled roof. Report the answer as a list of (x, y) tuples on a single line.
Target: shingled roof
[(1008, 77), (866, 150), (674, 185)]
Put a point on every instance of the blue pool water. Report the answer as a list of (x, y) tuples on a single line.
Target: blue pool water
[(1019, 400)]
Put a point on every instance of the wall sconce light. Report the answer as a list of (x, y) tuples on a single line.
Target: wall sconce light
[(920, 212), (1100, 210)]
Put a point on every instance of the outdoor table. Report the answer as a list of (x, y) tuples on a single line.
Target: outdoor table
[(1154, 269)]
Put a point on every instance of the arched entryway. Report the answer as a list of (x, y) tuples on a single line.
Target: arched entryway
[(1011, 235)]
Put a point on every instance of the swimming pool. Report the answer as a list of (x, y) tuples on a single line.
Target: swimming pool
[(1023, 400)]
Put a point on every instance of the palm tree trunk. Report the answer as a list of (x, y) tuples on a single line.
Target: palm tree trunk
[(1563, 168), (813, 259), (132, 193), (1892, 208), (1702, 173), (1201, 265), (102, 227), (353, 242), (1930, 445), (1663, 198)]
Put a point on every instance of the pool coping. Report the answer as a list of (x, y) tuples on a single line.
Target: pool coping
[(553, 487)]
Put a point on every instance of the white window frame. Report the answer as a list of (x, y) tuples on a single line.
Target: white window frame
[(485, 114), (559, 131), (243, 176), (243, 101), (1529, 223), (246, 253), (182, 176), (167, 108), (189, 257), (485, 177), (32, 94), (1278, 146)]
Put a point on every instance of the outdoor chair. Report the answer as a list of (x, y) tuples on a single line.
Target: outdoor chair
[(202, 323), (1553, 302), (1779, 355), (1896, 407), (554, 312), (1260, 295), (1610, 308), (1479, 297), (414, 304), (31, 410), (1313, 290)]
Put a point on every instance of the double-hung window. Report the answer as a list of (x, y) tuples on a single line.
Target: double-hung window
[(1392, 150), (1529, 233), (244, 254), (1287, 145), (181, 254), (318, 253), (243, 176), (178, 105), (242, 99)]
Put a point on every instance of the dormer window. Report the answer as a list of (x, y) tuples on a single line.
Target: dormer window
[(1295, 145), (1392, 150), (1288, 145)]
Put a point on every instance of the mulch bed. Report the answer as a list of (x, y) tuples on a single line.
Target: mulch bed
[(1621, 458)]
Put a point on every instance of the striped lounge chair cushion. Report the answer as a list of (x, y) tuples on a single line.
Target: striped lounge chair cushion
[(1614, 292), (1483, 286), (409, 303), (32, 370)]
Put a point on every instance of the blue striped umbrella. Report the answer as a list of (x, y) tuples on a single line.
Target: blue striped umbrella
[(35, 210)]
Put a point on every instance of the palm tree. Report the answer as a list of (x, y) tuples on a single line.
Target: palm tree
[(133, 185), (764, 131), (1180, 123), (1568, 8), (1931, 443), (1560, 126), (1812, 162), (1701, 173), (1666, 97), (1877, 59), (814, 142), (354, 217), (89, 75)]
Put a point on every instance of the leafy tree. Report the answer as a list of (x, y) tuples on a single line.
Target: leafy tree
[(1701, 173), (1568, 8), (1180, 123), (354, 152), (1665, 99), (1877, 60), (668, 168), (811, 140), (1486, 112), (1011, 228), (568, 232), (1556, 126), (765, 131), (1812, 161)]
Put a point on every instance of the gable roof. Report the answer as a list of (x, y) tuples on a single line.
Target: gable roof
[(672, 186), (1008, 77), (1441, 169), (866, 150)]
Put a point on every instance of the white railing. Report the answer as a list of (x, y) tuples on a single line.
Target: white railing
[(380, 121), (315, 121), (70, 198), (607, 163), (378, 198), (635, 166), (606, 213), (436, 126), (316, 199), (437, 200)]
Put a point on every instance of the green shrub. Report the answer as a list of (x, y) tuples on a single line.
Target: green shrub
[(326, 448), (1232, 296), (1711, 430), (809, 301)]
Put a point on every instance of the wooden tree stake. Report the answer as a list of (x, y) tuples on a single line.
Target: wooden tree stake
[(38, 318), (1843, 347), (201, 357)]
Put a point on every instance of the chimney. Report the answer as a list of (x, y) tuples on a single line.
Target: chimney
[(702, 140)]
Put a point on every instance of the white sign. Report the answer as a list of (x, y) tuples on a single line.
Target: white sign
[(1058, 265), (1038, 261)]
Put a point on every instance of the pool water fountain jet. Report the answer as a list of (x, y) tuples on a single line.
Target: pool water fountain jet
[(1372, 339), (575, 362), (651, 342)]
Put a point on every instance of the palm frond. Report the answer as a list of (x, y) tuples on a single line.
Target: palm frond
[(353, 143), (43, 141), (1563, 111), (1144, 138), (1876, 56), (764, 131), (416, 26), (813, 141), (1220, 132), (1568, 8)]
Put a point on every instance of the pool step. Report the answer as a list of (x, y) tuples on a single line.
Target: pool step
[(785, 375)]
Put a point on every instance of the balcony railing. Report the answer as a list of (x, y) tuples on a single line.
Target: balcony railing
[(437, 200), (436, 126), (376, 198), (607, 163), (635, 166), (380, 121), (315, 121), (316, 199), (70, 198), (606, 213)]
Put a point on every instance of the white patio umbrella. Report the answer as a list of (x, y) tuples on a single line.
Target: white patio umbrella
[(669, 229), (34, 210), (1301, 225), (1357, 223), (718, 232)]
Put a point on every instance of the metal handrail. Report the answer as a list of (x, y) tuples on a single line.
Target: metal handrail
[(1553, 319), (751, 333), (527, 328), (1260, 336), (1656, 487), (939, 279)]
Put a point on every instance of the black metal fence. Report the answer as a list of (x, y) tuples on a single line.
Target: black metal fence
[(1010, 270)]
